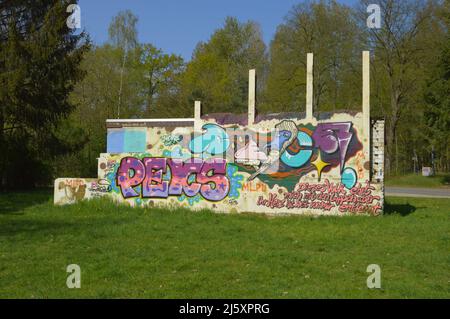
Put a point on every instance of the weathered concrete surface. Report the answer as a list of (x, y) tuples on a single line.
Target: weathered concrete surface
[(291, 166), (283, 163)]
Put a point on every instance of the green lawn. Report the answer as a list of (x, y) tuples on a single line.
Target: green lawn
[(414, 180), (125, 252)]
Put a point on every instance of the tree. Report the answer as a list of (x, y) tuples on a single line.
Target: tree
[(161, 73), (96, 99), (147, 83), (437, 98), (39, 66), (122, 30), (328, 30), (218, 72), (123, 34), (402, 52)]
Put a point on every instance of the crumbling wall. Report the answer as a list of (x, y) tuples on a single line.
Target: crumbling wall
[(278, 165), (377, 154), (299, 163)]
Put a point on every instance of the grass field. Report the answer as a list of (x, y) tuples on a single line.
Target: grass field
[(415, 180), (125, 252)]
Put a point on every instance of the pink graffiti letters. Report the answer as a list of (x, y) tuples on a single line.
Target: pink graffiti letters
[(209, 177), (222, 184), (125, 180), (326, 196), (181, 170), (153, 184)]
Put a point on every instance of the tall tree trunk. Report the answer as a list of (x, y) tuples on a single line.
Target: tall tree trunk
[(392, 127), (391, 138), (396, 155)]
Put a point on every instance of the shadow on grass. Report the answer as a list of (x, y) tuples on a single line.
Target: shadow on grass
[(401, 209), (445, 179), (15, 202)]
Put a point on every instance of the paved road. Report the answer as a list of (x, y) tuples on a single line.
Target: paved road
[(417, 192)]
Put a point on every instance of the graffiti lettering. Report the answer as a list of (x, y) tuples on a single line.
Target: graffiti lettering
[(159, 177), (274, 166), (325, 196), (100, 186), (331, 137), (169, 139), (303, 156), (290, 147), (254, 187), (214, 141)]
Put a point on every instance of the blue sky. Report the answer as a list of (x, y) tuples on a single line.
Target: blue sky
[(176, 26)]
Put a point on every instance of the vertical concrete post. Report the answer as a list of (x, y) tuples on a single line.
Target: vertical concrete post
[(366, 93), (251, 96), (367, 141), (309, 86), (197, 116)]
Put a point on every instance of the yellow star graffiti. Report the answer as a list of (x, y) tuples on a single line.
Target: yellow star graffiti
[(319, 164)]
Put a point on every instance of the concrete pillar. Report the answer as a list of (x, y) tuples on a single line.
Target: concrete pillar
[(251, 96), (367, 141), (309, 86), (197, 116), (366, 93)]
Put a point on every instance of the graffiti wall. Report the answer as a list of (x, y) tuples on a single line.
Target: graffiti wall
[(278, 165), (71, 190)]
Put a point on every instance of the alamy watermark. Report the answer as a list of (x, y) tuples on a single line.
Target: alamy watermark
[(374, 280), (374, 19), (74, 279), (74, 20)]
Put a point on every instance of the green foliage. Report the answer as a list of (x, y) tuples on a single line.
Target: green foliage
[(123, 79), (40, 79), (218, 72), (146, 85), (404, 50), (328, 30), (122, 30), (160, 80), (96, 99), (39, 66), (437, 98)]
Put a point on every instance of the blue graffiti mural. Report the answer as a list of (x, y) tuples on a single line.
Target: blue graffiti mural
[(212, 142)]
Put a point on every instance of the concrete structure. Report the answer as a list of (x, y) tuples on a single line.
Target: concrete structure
[(251, 97), (273, 163), (309, 86)]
